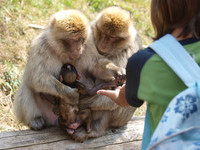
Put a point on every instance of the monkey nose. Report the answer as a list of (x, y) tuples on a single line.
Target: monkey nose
[(103, 48)]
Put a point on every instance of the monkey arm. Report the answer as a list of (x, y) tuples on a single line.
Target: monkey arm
[(50, 85), (104, 69), (98, 102)]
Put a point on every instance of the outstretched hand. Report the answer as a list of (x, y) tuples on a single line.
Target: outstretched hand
[(118, 95)]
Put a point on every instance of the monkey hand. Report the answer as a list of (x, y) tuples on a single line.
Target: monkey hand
[(113, 73), (119, 71), (119, 80), (72, 96)]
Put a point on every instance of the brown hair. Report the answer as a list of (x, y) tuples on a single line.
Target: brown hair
[(167, 15)]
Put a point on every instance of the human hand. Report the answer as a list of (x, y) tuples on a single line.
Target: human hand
[(118, 95)]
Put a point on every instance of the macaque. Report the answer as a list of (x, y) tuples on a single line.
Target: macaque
[(68, 114), (114, 38), (69, 117), (62, 41)]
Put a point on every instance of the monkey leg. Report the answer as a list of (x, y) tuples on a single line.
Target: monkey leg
[(106, 85), (86, 117), (103, 103), (80, 135), (98, 102), (98, 129), (26, 109), (37, 123)]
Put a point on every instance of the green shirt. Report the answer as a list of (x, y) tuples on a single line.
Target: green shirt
[(150, 79)]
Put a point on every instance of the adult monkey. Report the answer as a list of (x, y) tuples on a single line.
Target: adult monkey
[(115, 39), (61, 42)]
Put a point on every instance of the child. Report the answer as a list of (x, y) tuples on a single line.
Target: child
[(149, 78)]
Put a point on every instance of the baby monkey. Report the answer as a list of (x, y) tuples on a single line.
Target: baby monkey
[(69, 116)]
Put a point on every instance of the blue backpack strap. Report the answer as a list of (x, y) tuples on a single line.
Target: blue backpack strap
[(174, 54), (147, 131)]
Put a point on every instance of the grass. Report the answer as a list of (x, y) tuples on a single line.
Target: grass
[(16, 36)]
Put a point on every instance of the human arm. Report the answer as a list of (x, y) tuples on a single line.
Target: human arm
[(118, 95), (133, 77)]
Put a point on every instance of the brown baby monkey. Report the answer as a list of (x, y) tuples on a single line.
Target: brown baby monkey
[(69, 116)]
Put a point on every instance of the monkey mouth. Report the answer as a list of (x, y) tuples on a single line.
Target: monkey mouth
[(75, 57), (101, 52)]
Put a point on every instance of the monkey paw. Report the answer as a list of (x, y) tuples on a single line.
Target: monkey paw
[(111, 73), (37, 123), (80, 135), (120, 71)]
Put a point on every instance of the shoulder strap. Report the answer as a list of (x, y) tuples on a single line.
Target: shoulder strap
[(174, 54)]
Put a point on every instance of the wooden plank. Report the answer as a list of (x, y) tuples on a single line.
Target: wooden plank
[(127, 137)]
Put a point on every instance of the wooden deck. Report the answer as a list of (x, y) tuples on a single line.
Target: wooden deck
[(128, 137)]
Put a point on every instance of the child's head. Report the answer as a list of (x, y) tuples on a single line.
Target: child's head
[(167, 15)]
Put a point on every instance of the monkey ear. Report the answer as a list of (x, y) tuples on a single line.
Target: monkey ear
[(53, 22), (131, 15)]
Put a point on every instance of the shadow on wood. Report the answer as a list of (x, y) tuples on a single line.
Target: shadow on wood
[(128, 137)]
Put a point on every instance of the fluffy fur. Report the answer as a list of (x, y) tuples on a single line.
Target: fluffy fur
[(61, 42), (117, 48)]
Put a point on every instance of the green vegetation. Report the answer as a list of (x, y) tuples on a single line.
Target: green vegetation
[(16, 36), (10, 79)]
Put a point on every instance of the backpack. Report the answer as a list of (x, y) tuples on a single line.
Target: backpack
[(179, 127)]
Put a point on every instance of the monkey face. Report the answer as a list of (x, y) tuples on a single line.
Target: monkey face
[(73, 46), (112, 31), (68, 113), (69, 77), (68, 74), (69, 30), (108, 43)]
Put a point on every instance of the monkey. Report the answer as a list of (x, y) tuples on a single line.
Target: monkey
[(68, 114), (115, 38), (62, 41)]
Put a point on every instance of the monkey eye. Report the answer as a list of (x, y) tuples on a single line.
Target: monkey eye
[(82, 40), (118, 39), (65, 43)]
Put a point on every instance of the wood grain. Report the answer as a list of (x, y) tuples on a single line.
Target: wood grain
[(128, 137)]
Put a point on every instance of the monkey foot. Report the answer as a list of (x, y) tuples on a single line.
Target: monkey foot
[(37, 123), (74, 125), (70, 131), (80, 135), (88, 129)]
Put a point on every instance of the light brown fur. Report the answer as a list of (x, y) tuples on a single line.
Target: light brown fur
[(112, 21), (59, 43), (74, 24), (105, 112)]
